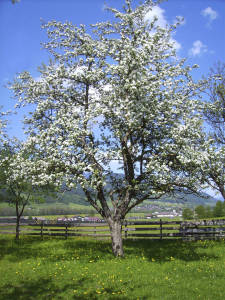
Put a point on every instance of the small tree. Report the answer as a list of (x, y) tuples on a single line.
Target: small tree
[(187, 214), (116, 96), (209, 212), (200, 211), (15, 190), (219, 209)]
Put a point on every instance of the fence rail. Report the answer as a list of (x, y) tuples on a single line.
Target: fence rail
[(194, 230)]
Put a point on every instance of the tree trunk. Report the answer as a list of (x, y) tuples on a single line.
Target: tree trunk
[(116, 236), (17, 227), (19, 213)]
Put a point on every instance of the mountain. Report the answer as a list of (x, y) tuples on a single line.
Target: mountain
[(77, 196), (190, 199)]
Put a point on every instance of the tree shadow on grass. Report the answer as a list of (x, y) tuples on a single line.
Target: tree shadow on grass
[(53, 248), (56, 249), (43, 288), (37, 289), (167, 250), (19, 250), (164, 250)]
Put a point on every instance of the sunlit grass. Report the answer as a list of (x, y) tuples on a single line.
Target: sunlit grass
[(82, 268)]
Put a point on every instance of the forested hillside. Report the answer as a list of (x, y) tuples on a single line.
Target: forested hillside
[(78, 197)]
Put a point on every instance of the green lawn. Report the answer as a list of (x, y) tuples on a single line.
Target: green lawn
[(82, 268)]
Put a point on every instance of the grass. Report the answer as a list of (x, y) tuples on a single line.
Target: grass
[(82, 268)]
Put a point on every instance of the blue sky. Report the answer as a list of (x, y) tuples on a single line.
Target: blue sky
[(201, 37)]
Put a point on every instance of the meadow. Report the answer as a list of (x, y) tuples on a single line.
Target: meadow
[(84, 268)]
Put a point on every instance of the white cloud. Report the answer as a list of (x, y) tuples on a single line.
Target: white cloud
[(176, 44), (209, 13), (198, 48), (159, 13)]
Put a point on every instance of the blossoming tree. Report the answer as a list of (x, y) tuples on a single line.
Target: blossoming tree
[(117, 96), (18, 191), (213, 164)]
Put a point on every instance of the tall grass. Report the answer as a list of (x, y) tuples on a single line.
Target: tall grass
[(82, 268)]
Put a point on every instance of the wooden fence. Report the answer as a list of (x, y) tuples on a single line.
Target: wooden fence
[(193, 230)]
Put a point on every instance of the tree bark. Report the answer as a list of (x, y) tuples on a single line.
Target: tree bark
[(222, 191), (17, 227), (116, 237), (18, 216)]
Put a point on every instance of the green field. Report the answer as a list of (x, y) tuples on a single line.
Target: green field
[(82, 268)]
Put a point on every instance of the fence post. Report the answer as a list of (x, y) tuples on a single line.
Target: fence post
[(95, 233), (214, 229), (66, 231), (125, 229), (160, 229), (42, 225), (182, 230)]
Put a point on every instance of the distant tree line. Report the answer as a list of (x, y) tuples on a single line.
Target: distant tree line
[(46, 211), (201, 211)]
